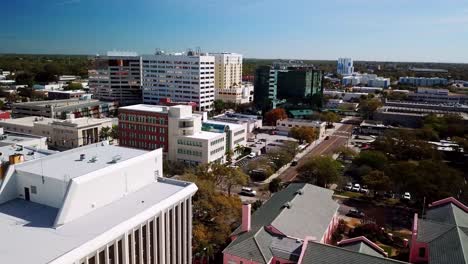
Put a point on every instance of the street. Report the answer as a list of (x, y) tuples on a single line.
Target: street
[(326, 147)]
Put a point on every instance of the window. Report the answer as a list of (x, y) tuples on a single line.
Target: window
[(422, 252), (33, 189)]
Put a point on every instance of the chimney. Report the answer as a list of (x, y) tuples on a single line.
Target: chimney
[(246, 217)]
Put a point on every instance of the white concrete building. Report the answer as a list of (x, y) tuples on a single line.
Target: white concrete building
[(97, 204), (236, 134), (423, 81), (251, 122), (181, 77), (366, 79), (238, 95), (345, 66), (21, 140), (366, 89), (188, 142), (48, 87), (228, 70), (60, 134), (346, 96), (286, 125)]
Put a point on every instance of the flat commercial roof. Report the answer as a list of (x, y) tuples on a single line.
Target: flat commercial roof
[(205, 135), (27, 152), (27, 120), (68, 165), (147, 108), (25, 225)]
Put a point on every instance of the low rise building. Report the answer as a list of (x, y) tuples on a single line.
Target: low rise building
[(251, 122), (285, 125), (423, 81), (346, 96), (61, 95), (438, 96), (84, 107), (48, 87), (236, 134), (371, 127), (60, 134), (366, 89), (366, 79), (95, 204), (22, 140), (176, 129), (243, 94)]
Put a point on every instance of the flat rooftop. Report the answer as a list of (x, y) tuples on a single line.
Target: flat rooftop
[(147, 108), (28, 152), (28, 226), (218, 122), (14, 138), (27, 121), (205, 135), (68, 164)]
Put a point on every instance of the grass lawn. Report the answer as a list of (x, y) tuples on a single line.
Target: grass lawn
[(350, 194)]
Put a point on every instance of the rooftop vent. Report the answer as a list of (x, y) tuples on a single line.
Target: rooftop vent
[(82, 157), (116, 158), (93, 159), (300, 192), (287, 205)]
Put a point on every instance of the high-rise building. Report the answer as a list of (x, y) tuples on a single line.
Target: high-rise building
[(176, 129), (345, 66), (95, 204), (228, 70), (117, 77), (297, 84), (181, 77)]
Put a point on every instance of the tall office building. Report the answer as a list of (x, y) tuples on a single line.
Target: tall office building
[(345, 66), (97, 204), (116, 77), (228, 70), (180, 77), (298, 84)]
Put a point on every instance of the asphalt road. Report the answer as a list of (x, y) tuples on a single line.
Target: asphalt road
[(327, 147)]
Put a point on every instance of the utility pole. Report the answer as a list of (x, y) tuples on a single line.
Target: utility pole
[(424, 205)]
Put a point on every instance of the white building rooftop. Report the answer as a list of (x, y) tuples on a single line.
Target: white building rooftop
[(69, 165), (205, 135), (29, 226), (147, 108)]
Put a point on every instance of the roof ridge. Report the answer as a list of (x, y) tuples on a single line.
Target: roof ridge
[(354, 252), (290, 204), (258, 246), (461, 242)]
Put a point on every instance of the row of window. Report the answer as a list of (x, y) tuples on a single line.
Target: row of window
[(239, 132), (154, 129), (187, 142), (142, 119), (237, 141), (189, 152), (216, 150), (217, 141)]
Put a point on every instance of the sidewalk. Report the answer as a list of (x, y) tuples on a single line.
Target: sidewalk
[(300, 155)]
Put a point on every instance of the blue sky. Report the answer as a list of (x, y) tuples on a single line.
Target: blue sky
[(390, 30)]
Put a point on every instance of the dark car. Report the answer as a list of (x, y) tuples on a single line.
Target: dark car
[(327, 137), (355, 213), (294, 163)]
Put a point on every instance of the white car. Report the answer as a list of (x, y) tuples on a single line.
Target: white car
[(364, 189), (349, 186), (356, 187), (406, 196), (248, 192), (252, 155)]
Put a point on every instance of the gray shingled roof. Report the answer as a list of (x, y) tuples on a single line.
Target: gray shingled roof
[(311, 209), (317, 253), (363, 248), (445, 229)]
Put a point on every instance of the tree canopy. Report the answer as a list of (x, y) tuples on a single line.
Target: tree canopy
[(320, 170), (304, 134), (274, 115)]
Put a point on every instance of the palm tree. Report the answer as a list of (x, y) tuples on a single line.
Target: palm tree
[(104, 133), (239, 149)]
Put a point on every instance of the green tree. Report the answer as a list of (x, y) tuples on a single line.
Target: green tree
[(330, 118), (104, 133), (274, 185), (114, 133), (374, 159), (219, 106), (377, 181), (367, 107), (304, 134), (73, 86), (321, 170), (25, 79)]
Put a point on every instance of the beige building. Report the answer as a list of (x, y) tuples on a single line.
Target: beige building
[(228, 70), (239, 95), (61, 134)]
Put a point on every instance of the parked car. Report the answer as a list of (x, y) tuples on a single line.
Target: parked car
[(364, 189), (406, 196), (246, 191), (355, 213), (349, 186), (356, 187), (327, 137), (294, 163), (252, 155)]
